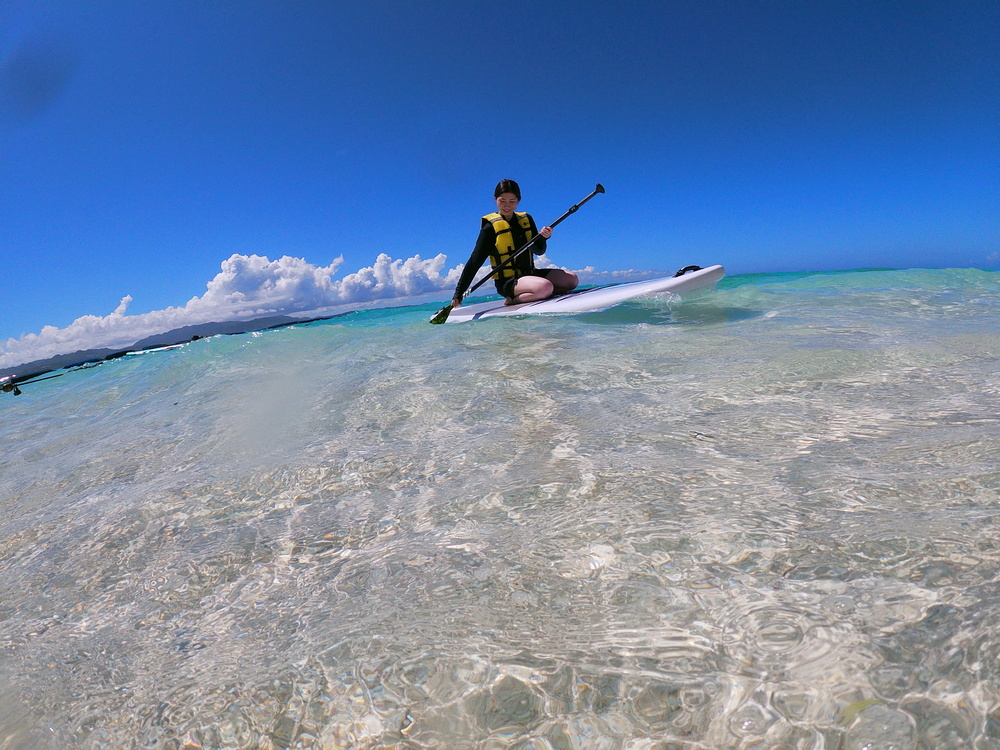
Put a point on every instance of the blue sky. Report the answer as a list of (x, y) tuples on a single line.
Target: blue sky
[(142, 144)]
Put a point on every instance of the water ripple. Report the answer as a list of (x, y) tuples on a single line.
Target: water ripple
[(772, 529)]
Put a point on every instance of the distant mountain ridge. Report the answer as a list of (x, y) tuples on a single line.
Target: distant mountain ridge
[(183, 335)]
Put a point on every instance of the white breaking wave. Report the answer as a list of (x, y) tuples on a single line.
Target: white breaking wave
[(253, 286)]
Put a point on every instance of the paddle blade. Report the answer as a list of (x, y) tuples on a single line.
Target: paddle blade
[(442, 315)]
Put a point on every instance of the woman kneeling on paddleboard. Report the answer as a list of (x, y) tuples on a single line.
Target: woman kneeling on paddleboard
[(504, 233)]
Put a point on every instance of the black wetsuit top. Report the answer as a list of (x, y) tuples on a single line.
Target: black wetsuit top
[(486, 246)]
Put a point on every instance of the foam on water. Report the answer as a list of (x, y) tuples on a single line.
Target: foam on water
[(762, 519)]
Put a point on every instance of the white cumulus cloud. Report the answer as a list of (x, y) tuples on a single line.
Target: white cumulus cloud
[(253, 286), (247, 286)]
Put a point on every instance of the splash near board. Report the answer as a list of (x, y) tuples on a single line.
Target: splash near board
[(685, 282)]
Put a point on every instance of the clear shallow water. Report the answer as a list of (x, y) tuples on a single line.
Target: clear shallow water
[(766, 518)]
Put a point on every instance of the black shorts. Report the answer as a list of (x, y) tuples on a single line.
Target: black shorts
[(506, 288)]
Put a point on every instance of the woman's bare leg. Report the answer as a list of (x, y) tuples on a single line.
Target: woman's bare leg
[(531, 289), (562, 281)]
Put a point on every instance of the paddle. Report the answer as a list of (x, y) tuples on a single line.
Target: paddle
[(445, 311)]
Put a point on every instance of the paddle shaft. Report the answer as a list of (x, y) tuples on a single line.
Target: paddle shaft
[(529, 243)]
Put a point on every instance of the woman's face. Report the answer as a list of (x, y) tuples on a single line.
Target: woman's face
[(506, 203)]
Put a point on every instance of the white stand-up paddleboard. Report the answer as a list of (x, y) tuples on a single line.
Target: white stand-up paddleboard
[(595, 298)]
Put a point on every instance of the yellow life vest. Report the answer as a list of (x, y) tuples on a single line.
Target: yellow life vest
[(505, 240)]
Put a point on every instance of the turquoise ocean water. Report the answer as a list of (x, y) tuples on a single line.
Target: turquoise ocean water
[(764, 518)]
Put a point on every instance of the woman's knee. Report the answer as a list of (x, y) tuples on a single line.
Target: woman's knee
[(541, 288), (564, 280), (536, 286)]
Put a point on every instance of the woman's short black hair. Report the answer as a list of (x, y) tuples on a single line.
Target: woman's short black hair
[(507, 186)]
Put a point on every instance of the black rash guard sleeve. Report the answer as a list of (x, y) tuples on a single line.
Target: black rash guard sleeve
[(480, 254), (540, 242)]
